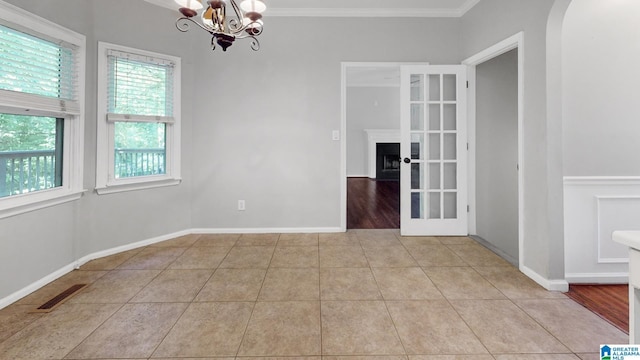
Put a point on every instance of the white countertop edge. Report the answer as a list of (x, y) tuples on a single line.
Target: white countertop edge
[(629, 238)]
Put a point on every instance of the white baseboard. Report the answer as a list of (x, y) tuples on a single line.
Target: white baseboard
[(551, 285), (103, 253), (8, 300), (359, 176), (597, 278), (266, 230)]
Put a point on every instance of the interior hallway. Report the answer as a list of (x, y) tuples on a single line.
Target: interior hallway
[(364, 292)]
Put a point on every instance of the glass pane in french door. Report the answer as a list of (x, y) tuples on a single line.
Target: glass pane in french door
[(419, 143), (441, 135)]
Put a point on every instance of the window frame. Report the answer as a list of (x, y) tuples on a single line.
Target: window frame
[(106, 182), (27, 104)]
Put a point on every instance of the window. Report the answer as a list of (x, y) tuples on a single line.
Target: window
[(41, 112), (138, 127)]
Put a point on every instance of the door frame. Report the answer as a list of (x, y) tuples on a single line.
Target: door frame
[(343, 127), (513, 42)]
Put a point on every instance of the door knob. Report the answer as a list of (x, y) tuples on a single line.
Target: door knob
[(407, 160)]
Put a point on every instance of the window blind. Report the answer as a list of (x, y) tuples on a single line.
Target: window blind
[(37, 74), (139, 88)]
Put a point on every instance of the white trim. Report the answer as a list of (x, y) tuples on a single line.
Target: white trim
[(111, 189), (111, 118), (118, 249), (551, 285), (8, 300), (358, 175), (513, 42), (74, 118), (23, 20), (374, 137), (375, 85), (43, 200), (601, 180), (599, 221), (343, 129), (365, 12), (597, 278), (352, 12), (266, 230), (105, 183)]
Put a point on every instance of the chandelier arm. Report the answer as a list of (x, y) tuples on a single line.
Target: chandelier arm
[(183, 25), (236, 25), (255, 44)]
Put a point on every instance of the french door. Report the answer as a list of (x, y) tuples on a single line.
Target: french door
[(433, 146)]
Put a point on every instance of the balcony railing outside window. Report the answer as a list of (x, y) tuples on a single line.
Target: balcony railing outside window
[(26, 171), (22, 172), (139, 162)]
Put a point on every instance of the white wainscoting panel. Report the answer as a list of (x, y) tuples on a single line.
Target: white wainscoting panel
[(594, 207)]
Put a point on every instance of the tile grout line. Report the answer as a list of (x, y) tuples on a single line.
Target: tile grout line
[(542, 325), (255, 302)]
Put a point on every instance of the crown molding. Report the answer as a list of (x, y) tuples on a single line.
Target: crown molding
[(352, 12), (164, 3)]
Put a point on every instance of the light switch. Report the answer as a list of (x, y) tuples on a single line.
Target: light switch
[(335, 135)]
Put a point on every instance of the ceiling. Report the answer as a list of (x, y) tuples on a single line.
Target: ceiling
[(358, 8)]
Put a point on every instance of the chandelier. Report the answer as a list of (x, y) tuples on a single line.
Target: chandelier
[(245, 23)]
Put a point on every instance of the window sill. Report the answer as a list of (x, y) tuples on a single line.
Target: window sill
[(36, 201), (117, 188)]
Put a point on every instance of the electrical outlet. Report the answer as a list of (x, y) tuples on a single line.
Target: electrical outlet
[(241, 206)]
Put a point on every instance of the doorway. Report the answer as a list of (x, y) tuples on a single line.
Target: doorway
[(371, 127), (497, 153), (496, 165)]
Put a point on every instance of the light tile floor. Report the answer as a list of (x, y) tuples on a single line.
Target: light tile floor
[(349, 296)]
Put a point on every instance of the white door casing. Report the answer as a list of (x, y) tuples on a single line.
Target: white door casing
[(433, 186)]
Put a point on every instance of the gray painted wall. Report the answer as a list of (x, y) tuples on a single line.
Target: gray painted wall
[(497, 152), (488, 23), (270, 141), (368, 108), (257, 126), (601, 92), (35, 244)]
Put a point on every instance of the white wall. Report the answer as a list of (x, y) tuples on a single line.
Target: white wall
[(368, 108), (36, 244), (484, 25), (268, 141), (497, 152), (600, 49)]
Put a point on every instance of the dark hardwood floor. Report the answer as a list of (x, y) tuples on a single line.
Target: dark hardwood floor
[(373, 204), (610, 302)]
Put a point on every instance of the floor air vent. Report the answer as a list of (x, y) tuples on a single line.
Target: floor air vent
[(59, 299)]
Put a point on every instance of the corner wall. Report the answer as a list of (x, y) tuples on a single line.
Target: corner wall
[(486, 24), (36, 244)]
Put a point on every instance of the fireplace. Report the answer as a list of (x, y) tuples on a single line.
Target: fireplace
[(388, 161)]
